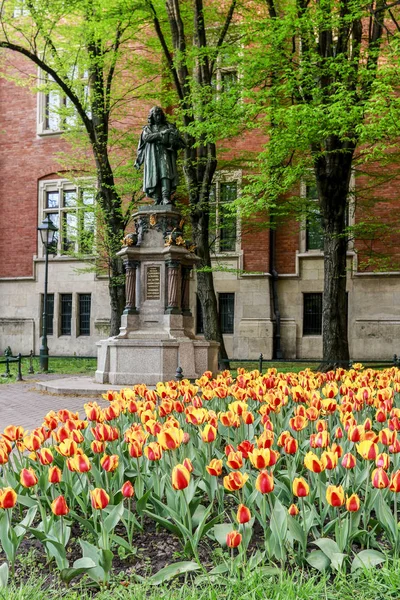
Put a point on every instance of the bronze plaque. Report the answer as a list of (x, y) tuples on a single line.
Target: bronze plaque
[(153, 283)]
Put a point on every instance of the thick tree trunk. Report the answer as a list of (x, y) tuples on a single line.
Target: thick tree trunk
[(114, 227), (333, 171), (205, 283), (334, 305)]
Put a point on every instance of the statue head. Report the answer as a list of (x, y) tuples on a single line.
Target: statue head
[(156, 116)]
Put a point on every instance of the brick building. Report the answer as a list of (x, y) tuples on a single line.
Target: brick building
[(31, 187)]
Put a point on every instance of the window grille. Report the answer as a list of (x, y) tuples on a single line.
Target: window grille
[(50, 313), (226, 312), (66, 314), (71, 210), (223, 227), (314, 231), (312, 314), (84, 314)]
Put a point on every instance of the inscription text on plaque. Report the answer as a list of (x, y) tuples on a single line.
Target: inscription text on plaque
[(153, 283)]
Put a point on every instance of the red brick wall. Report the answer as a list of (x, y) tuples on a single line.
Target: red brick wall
[(24, 159), (255, 245)]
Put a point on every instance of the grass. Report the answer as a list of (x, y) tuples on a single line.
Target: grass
[(375, 584), (57, 364)]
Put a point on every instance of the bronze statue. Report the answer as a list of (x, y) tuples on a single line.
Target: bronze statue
[(157, 149)]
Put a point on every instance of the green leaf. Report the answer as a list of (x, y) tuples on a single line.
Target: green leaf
[(4, 571), (26, 501), (318, 560), (337, 560), (385, 517), (221, 531), (80, 566), (141, 503), (113, 517), (106, 557), (278, 522), (164, 522), (89, 551), (366, 559), (122, 542), (173, 570), (328, 546)]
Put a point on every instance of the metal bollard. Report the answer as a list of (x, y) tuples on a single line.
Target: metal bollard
[(179, 374), (19, 375), (260, 363), (30, 370)]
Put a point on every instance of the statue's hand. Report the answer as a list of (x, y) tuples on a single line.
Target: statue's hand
[(136, 165)]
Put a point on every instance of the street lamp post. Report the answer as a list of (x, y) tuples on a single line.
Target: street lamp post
[(47, 231)]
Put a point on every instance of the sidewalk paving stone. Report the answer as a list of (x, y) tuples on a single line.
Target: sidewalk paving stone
[(24, 404)]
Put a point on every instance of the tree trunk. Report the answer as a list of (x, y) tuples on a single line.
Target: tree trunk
[(333, 171), (114, 227), (205, 283)]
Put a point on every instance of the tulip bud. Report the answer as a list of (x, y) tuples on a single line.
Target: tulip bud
[(45, 456), (54, 475), (233, 539), (235, 480), (127, 490), (293, 510), (300, 487), (188, 464), (235, 460), (208, 434), (109, 463), (59, 507), (99, 498), (243, 514), (28, 478), (353, 503), (379, 478), (349, 461), (98, 447), (8, 498), (180, 477), (335, 495), (265, 482), (215, 467)]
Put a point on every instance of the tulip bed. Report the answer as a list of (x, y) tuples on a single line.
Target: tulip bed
[(277, 467)]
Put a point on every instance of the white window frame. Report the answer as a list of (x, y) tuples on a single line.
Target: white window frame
[(303, 224), (60, 186), (20, 10), (61, 101), (219, 178)]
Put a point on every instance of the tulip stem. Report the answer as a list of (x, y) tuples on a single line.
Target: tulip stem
[(396, 541)]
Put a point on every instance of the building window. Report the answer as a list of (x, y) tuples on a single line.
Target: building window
[(226, 304), (84, 314), (226, 310), (56, 113), (223, 222), (66, 314), (71, 209), (50, 314), (312, 314), (314, 231), (20, 9)]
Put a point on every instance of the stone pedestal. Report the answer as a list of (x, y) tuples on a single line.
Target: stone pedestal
[(157, 327)]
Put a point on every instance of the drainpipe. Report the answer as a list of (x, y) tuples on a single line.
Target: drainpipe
[(275, 299)]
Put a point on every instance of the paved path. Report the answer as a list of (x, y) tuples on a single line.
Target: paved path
[(22, 404)]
